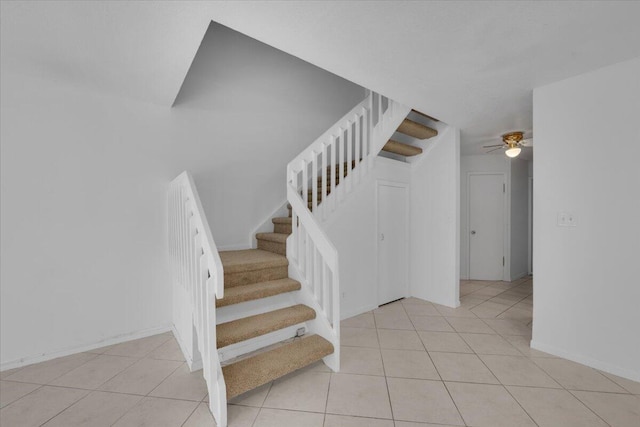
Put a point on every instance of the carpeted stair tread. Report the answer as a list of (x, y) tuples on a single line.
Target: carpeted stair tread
[(254, 291), (401, 148), (273, 242), (262, 368), (249, 260), (281, 220), (416, 130), (272, 237), (260, 324)]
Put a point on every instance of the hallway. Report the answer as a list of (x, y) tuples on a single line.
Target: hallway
[(403, 365)]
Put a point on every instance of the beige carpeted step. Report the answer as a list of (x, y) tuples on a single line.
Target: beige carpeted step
[(416, 130), (252, 266), (262, 368), (282, 225), (401, 148), (260, 324), (273, 242), (238, 294)]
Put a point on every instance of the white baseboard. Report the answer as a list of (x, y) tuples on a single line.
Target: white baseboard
[(453, 303), (585, 360), (356, 311), (30, 360), (519, 276)]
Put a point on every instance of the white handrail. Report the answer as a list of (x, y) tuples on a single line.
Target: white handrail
[(197, 269), (318, 180)]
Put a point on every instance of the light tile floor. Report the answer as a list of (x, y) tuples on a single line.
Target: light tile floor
[(406, 364)]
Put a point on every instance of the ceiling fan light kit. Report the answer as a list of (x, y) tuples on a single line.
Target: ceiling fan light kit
[(513, 141), (513, 151)]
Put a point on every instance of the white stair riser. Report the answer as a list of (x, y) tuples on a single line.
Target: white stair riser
[(251, 308), (253, 344)]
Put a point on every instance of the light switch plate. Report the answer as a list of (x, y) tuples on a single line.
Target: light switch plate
[(567, 219)]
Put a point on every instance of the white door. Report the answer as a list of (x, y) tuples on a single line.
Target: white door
[(393, 243), (486, 226)]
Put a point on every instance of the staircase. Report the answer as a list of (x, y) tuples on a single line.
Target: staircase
[(412, 129), (238, 314), (255, 274)]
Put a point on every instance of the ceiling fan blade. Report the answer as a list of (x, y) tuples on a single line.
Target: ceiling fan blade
[(489, 146), (527, 142), (491, 151)]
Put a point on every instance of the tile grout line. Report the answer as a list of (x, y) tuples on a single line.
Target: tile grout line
[(64, 409), (623, 390), (21, 397), (65, 373), (326, 402), (512, 396), (557, 382), (384, 371), (165, 378), (587, 406), (185, 420), (90, 391), (440, 376), (482, 361)]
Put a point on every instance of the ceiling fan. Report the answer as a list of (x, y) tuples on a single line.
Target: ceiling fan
[(513, 143)]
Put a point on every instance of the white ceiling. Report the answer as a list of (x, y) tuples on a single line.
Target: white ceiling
[(471, 64)]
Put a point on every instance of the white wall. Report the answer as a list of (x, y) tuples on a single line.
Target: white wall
[(587, 148), (519, 218), (353, 231), (83, 212), (84, 179), (435, 221), (498, 163), (261, 107)]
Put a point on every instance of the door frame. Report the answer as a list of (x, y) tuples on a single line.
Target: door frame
[(406, 188), (506, 229)]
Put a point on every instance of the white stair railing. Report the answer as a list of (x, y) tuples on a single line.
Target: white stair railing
[(318, 180), (197, 272)]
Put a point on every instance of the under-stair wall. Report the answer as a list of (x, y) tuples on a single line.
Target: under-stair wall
[(433, 189), (435, 221), (353, 231)]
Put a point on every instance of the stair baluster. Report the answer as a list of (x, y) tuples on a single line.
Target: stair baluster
[(339, 159), (198, 279)]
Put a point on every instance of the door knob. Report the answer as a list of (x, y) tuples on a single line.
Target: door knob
[(473, 231)]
